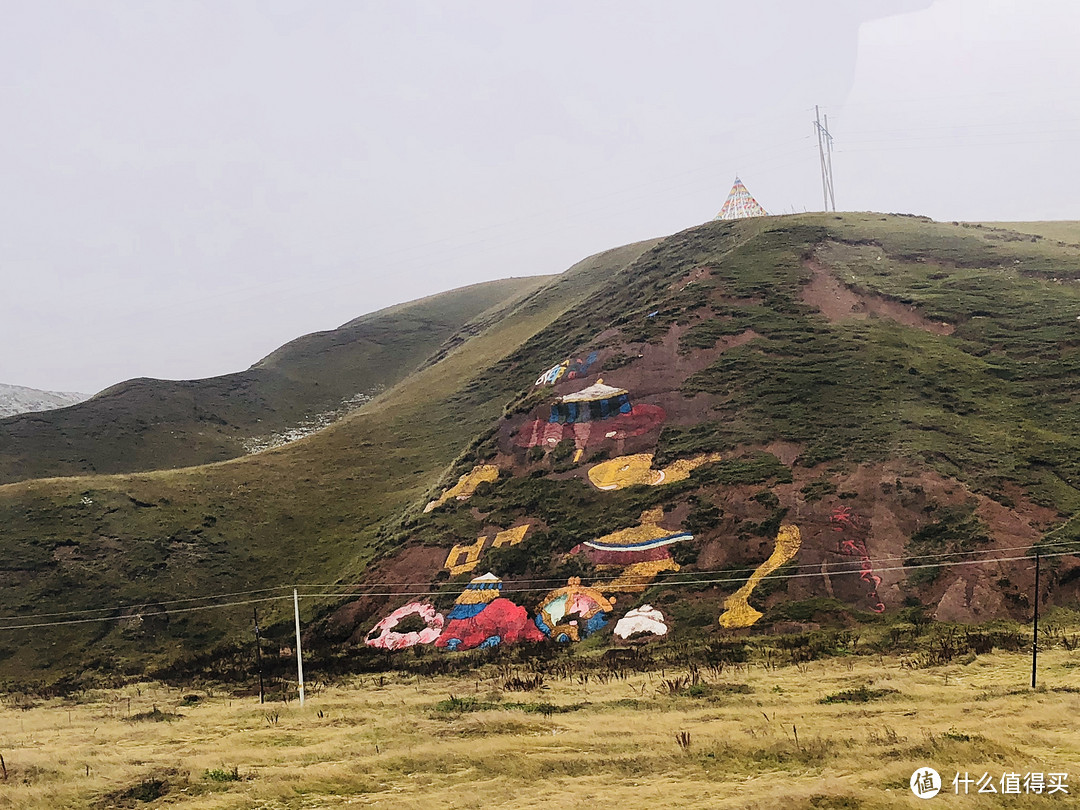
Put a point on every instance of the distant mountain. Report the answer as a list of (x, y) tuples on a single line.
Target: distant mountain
[(15, 399), (310, 382)]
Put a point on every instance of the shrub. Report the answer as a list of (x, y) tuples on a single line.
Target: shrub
[(223, 775)]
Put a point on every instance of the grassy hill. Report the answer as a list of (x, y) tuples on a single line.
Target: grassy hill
[(922, 376), (305, 512), (146, 424)]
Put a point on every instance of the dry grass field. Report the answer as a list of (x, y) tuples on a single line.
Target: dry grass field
[(842, 732)]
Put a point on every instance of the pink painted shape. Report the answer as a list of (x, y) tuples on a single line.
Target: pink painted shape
[(389, 640)]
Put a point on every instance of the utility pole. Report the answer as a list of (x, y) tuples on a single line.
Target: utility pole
[(299, 655), (258, 655), (824, 144), (828, 161), (1035, 625)]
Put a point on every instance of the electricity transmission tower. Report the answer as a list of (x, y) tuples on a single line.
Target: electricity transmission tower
[(824, 145)]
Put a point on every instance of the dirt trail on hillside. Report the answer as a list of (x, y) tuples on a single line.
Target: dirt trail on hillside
[(838, 302)]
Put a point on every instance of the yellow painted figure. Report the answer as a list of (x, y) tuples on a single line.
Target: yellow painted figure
[(626, 471), (463, 559), (466, 485), (638, 554), (737, 610)]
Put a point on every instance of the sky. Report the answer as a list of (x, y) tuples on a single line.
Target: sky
[(189, 185)]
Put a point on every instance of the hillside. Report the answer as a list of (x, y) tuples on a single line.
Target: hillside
[(863, 401), (147, 424), (16, 399), (309, 511)]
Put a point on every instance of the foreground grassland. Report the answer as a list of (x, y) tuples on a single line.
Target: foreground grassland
[(841, 732)]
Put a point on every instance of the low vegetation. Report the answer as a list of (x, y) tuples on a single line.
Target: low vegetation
[(843, 731)]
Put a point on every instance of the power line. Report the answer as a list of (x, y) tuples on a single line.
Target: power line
[(491, 239), (316, 590), (979, 99), (149, 602), (139, 615), (671, 582), (749, 568), (956, 145), (1025, 125)]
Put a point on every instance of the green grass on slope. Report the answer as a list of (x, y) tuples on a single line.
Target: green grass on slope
[(993, 404), (997, 400), (306, 512), (1061, 230), (162, 424)]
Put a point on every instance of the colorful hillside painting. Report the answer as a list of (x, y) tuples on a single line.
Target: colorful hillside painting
[(409, 625), (573, 612), (592, 404), (590, 416), (628, 471), (466, 485), (852, 543), (482, 617), (569, 369), (641, 622), (463, 559), (737, 610), (637, 555)]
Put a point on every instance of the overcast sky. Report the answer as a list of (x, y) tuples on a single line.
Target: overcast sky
[(188, 185)]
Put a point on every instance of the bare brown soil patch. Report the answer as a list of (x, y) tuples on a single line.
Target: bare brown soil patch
[(838, 302), (661, 368)]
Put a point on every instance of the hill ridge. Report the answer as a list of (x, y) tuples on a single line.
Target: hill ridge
[(146, 423)]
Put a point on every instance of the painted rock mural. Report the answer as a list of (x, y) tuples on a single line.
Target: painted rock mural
[(466, 485), (569, 369), (573, 612), (462, 559), (481, 617), (386, 636), (737, 609), (638, 554), (853, 544), (644, 620), (627, 471), (590, 416)]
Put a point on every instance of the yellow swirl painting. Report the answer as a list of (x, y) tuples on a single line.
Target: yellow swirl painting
[(466, 485)]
